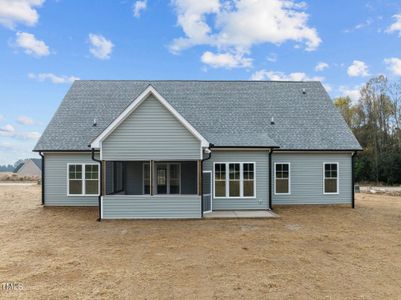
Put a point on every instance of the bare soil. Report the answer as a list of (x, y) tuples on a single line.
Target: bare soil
[(310, 252)]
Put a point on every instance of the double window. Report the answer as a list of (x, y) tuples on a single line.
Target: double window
[(83, 179), (234, 180), (330, 178), (282, 183)]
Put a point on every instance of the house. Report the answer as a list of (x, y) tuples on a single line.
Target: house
[(30, 167), (180, 149)]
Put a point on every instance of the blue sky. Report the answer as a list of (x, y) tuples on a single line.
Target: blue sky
[(46, 44)]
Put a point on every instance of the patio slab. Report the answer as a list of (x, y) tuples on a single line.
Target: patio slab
[(237, 214)]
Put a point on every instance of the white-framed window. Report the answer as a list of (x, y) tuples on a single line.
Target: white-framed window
[(282, 178), (234, 180), (83, 179), (330, 178)]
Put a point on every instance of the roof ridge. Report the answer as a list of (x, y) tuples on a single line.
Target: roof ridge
[(202, 80)]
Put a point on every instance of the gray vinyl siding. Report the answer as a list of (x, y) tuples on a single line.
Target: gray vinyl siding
[(151, 132), (261, 159), (56, 180), (307, 178), (151, 207)]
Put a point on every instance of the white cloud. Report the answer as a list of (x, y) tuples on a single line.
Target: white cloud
[(396, 26), (236, 26), (272, 57), (226, 60), (280, 76), (358, 68), (321, 66), (139, 6), (31, 45), (24, 120), (101, 47), (1, 118), (9, 131), (52, 78), (393, 65), (352, 92), (19, 11)]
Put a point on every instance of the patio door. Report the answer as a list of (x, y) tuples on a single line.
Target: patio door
[(168, 177), (207, 191)]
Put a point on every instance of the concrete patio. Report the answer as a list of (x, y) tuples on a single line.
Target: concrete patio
[(237, 214)]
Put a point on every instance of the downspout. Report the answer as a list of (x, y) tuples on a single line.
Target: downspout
[(43, 177), (201, 171), (101, 184), (353, 178), (270, 179)]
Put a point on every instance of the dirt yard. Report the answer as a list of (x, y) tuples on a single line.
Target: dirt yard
[(308, 253)]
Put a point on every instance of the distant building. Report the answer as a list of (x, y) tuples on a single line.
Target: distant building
[(30, 167)]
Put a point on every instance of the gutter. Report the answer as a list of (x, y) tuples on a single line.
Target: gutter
[(270, 180), (43, 177), (101, 184), (201, 188)]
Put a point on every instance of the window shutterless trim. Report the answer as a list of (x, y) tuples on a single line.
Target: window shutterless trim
[(289, 178), (83, 179), (337, 178), (227, 180)]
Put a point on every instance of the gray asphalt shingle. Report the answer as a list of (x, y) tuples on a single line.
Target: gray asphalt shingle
[(226, 113)]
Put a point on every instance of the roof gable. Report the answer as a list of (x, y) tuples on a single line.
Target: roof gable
[(150, 90)]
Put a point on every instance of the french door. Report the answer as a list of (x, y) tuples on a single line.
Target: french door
[(168, 178)]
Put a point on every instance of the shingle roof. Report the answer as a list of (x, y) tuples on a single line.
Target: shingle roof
[(226, 113)]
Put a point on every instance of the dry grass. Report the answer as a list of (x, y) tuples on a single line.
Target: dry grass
[(9, 176), (309, 253)]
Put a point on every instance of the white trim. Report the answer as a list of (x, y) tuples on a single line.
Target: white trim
[(338, 177), (96, 143), (211, 192), (289, 177), (83, 179), (241, 181)]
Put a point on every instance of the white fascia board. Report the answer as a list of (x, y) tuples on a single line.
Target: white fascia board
[(134, 105)]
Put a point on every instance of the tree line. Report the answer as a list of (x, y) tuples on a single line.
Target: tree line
[(375, 120)]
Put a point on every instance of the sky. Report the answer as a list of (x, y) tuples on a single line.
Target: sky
[(47, 44)]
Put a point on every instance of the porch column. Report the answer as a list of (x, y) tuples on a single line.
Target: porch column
[(151, 163), (103, 178), (200, 181)]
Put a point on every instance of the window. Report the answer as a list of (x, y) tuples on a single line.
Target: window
[(249, 182), (234, 190), (238, 182), (282, 178), (220, 180), (83, 179), (75, 179), (91, 179), (330, 178)]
